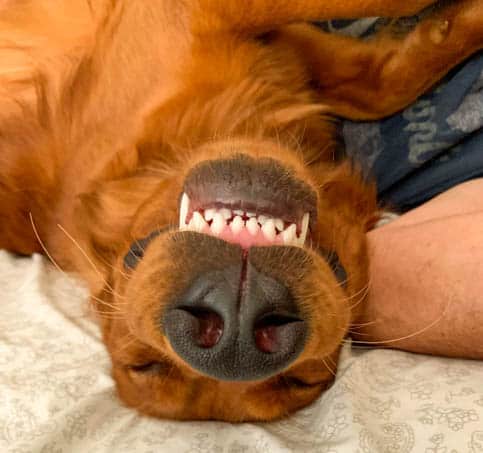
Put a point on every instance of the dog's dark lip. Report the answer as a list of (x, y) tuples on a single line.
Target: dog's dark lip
[(263, 186)]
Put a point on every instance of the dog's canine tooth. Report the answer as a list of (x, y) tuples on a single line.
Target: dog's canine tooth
[(289, 235), (279, 224), (218, 224), (199, 222), (305, 229), (226, 213), (183, 210), (209, 214), (237, 225), (252, 226), (268, 230), (191, 225)]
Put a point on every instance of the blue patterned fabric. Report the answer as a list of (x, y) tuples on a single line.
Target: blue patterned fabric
[(432, 145)]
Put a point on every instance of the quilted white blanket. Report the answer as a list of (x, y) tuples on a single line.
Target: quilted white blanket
[(56, 394)]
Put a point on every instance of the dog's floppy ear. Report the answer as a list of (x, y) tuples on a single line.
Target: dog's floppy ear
[(354, 197), (352, 202), (108, 211)]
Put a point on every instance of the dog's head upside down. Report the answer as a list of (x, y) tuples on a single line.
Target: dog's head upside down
[(224, 248), (191, 181), (238, 285)]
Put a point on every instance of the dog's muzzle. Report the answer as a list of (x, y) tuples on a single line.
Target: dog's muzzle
[(244, 225), (236, 324)]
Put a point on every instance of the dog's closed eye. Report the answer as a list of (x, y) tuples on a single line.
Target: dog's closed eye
[(297, 382), (338, 268), (333, 260), (153, 368), (137, 250)]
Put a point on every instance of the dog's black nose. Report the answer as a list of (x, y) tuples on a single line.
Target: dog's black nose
[(236, 324)]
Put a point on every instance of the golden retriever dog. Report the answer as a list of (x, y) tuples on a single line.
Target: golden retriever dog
[(182, 157)]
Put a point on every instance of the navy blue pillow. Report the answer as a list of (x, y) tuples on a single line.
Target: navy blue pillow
[(428, 148), (432, 145)]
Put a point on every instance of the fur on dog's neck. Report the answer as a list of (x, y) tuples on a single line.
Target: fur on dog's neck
[(89, 97), (120, 123)]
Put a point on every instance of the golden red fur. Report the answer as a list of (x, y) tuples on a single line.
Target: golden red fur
[(108, 106)]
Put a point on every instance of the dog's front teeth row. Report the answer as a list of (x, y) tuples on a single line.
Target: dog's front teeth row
[(270, 227), (228, 214), (211, 213)]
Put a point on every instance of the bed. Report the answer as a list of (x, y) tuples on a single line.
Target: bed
[(56, 393)]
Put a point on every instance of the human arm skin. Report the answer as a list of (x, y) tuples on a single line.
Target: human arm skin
[(427, 278)]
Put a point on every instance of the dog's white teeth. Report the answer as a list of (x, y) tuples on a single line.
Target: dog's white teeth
[(209, 214), (218, 224), (191, 225), (183, 210), (305, 229), (289, 235), (268, 230), (226, 213), (217, 220), (252, 226), (199, 222), (237, 225)]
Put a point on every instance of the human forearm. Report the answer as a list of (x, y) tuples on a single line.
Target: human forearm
[(427, 285)]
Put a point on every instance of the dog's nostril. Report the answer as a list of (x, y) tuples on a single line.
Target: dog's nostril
[(235, 324), (210, 326), (270, 329)]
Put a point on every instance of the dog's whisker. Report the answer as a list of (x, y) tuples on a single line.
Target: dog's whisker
[(331, 360), (107, 304), (363, 324), (411, 335), (362, 297), (350, 330), (44, 248), (132, 340), (89, 260), (114, 268), (357, 303), (107, 316), (331, 370)]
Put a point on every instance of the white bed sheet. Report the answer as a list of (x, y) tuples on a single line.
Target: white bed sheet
[(56, 394)]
